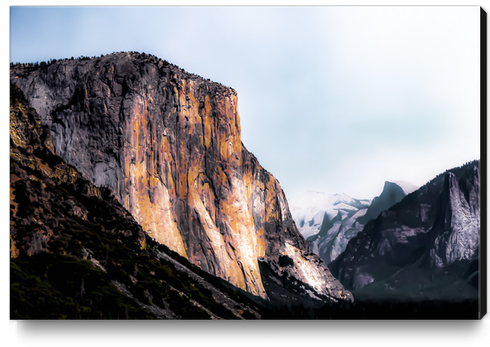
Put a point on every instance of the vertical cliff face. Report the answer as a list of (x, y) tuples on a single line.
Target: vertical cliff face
[(76, 253), (167, 144), (458, 224)]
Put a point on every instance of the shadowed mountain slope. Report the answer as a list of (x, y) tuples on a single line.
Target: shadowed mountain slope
[(424, 247)]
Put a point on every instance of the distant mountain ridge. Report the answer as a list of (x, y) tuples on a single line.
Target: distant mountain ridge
[(311, 208), (392, 193), (329, 221)]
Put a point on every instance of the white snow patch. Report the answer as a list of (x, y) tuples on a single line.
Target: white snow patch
[(308, 209)]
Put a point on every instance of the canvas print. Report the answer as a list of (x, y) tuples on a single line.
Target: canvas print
[(196, 163)]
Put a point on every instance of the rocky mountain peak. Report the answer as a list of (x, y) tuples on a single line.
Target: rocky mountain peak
[(393, 192)]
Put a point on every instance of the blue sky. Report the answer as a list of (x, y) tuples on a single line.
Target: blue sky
[(333, 99)]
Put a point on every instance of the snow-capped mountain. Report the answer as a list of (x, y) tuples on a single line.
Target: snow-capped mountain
[(309, 209), (329, 221)]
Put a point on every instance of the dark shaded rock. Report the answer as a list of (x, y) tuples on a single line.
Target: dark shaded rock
[(392, 193)]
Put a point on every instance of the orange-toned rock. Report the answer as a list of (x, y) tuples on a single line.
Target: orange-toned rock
[(167, 144)]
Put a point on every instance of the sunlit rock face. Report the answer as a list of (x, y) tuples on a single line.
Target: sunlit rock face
[(426, 246), (76, 253), (167, 144)]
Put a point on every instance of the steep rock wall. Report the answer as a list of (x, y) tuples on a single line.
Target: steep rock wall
[(458, 226), (167, 144)]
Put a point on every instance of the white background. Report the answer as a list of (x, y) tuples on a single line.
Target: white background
[(250, 333)]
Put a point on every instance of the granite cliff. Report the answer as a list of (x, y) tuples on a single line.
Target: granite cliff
[(166, 145), (76, 253)]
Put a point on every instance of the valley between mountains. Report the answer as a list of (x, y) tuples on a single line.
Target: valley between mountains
[(132, 196)]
